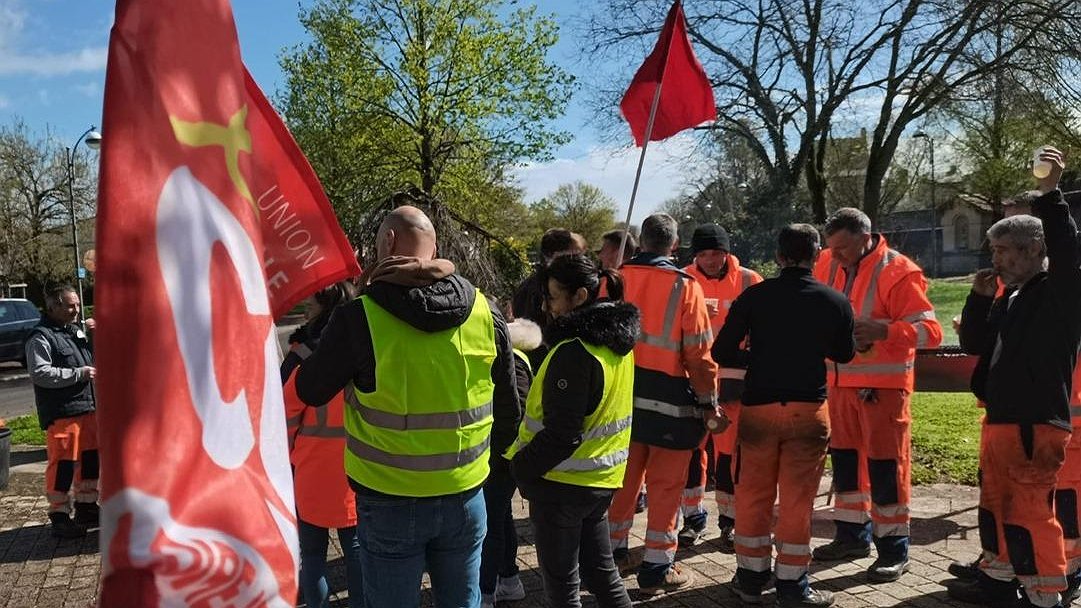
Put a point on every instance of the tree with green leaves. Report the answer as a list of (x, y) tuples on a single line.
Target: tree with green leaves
[(578, 207), (444, 95)]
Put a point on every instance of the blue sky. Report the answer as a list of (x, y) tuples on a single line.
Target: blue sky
[(52, 72)]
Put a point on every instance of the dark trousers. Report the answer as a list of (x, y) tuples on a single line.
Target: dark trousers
[(500, 553), (572, 548)]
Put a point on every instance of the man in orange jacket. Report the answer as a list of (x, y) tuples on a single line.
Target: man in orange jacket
[(675, 382), (869, 397), (722, 280)]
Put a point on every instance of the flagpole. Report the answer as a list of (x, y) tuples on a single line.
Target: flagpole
[(638, 172)]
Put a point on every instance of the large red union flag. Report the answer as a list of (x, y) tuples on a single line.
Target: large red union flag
[(210, 224), (686, 96)]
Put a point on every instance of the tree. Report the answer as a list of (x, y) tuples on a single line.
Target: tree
[(35, 218), (441, 94), (784, 71), (578, 207)]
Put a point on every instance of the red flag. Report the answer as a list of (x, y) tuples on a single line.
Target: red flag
[(210, 224), (686, 96)]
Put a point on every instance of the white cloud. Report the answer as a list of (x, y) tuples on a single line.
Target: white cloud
[(12, 21), (669, 165), (90, 59)]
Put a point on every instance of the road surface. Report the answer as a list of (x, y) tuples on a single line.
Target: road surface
[(17, 395)]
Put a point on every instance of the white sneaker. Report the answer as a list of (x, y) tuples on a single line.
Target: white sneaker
[(509, 589), (487, 600)]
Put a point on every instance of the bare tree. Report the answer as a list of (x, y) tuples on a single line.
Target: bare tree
[(785, 71), (34, 210)]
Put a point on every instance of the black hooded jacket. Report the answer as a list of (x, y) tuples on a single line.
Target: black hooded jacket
[(572, 389), (345, 352), (1031, 379)]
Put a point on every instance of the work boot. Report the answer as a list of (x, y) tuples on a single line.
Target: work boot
[(691, 534), (839, 550), (63, 527), (813, 599), (674, 580), (88, 514), (624, 562), (747, 596), (726, 542), (640, 505), (966, 571), (970, 592), (509, 589), (883, 571)]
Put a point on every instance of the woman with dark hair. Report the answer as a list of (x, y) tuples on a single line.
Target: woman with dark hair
[(317, 442), (571, 450)]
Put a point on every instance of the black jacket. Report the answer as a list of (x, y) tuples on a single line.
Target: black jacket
[(572, 390), (793, 324), (1031, 381), (345, 352)]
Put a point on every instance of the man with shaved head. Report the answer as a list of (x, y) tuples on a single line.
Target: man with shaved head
[(427, 369)]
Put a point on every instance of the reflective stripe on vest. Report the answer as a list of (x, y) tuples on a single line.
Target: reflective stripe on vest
[(748, 276), (668, 409), (321, 428), (733, 373), (525, 359), (601, 459), (424, 430), (1075, 411), (868, 306), (671, 311)]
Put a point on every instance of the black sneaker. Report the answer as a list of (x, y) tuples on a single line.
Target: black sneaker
[(690, 535), (838, 550), (1070, 595), (63, 527), (88, 514), (747, 596), (966, 571), (640, 506), (726, 543), (886, 572), (813, 599), (970, 592)]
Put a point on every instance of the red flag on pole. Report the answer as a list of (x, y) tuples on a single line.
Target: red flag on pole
[(210, 224), (686, 99)]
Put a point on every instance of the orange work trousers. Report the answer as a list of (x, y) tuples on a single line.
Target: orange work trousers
[(781, 454), (665, 472), (724, 450), (871, 450), (71, 445), (695, 489), (1020, 536), (1067, 491)]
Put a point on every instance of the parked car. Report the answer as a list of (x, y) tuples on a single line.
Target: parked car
[(17, 318)]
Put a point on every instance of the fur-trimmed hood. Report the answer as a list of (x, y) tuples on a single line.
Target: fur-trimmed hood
[(611, 324), (525, 335)]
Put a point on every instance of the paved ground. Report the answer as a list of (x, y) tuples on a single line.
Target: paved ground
[(39, 571)]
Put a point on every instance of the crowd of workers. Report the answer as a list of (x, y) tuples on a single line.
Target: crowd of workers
[(636, 375)]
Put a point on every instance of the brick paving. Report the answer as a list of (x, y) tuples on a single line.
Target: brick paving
[(39, 571)]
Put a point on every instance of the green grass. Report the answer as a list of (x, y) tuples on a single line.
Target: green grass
[(945, 438), (948, 297), (25, 431)]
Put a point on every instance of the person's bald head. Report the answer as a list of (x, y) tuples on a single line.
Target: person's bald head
[(406, 231)]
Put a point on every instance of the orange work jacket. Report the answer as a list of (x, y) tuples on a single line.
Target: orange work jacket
[(887, 287)]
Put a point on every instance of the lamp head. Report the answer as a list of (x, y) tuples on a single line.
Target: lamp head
[(93, 140)]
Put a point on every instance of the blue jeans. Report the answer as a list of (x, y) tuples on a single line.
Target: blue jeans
[(500, 553), (401, 537), (313, 564)]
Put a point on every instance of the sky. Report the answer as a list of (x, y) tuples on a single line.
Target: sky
[(52, 73)]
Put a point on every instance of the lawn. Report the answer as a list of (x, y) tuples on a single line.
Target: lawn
[(25, 430), (948, 297), (945, 438)]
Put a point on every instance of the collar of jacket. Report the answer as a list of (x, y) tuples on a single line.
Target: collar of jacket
[(872, 257), (611, 324), (731, 268)]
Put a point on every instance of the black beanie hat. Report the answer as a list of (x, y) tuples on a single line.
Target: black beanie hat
[(709, 236)]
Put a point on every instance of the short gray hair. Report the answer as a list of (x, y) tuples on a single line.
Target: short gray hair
[(660, 232), (850, 219), (1022, 230)]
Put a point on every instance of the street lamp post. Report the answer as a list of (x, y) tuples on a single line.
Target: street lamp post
[(934, 219), (93, 140)]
